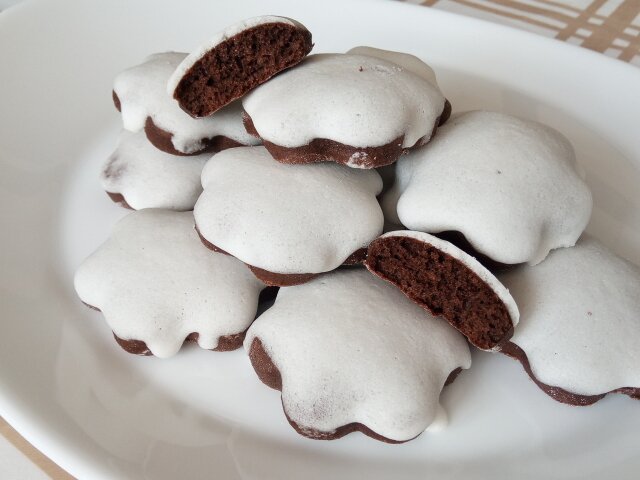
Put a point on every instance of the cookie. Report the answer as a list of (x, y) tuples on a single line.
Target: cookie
[(137, 175), (157, 287), (288, 222), (510, 186), (236, 60), (140, 94), (447, 282), (362, 109), (579, 332), (350, 353)]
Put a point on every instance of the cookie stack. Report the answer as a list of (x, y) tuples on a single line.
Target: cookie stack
[(366, 328)]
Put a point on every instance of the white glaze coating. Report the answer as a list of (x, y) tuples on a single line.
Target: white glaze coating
[(405, 60), (149, 178), (142, 93), (470, 262), (351, 348), (357, 100), (217, 39), (154, 281), (511, 186), (287, 218), (580, 323)]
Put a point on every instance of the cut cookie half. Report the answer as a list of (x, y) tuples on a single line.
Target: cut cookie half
[(140, 95), (447, 282), (236, 60)]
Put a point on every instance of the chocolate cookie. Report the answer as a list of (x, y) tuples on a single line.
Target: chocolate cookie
[(157, 287), (234, 61), (350, 353), (447, 282), (510, 187), (362, 109), (579, 331), (288, 222), (137, 175), (140, 94)]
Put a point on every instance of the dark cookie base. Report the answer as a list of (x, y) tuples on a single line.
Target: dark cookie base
[(226, 343), (460, 241), (161, 139), (119, 199), (239, 64), (444, 286), (269, 374), (514, 351), (324, 150), (273, 279)]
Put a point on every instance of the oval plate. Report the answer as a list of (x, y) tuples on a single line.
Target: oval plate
[(99, 413)]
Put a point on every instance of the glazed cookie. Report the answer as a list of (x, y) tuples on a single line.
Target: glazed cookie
[(157, 287), (288, 222), (448, 282), (362, 109), (234, 61), (138, 176), (579, 334), (350, 353), (139, 93), (511, 187)]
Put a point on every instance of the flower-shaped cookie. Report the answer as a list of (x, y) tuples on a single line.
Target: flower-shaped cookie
[(512, 187), (288, 222), (138, 175), (579, 331), (157, 286), (350, 353), (363, 108)]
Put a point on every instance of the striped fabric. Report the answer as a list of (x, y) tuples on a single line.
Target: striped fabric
[(611, 27)]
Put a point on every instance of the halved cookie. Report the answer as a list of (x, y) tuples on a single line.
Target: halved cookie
[(236, 60), (140, 94), (447, 282)]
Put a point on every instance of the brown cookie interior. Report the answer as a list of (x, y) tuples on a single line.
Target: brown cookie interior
[(356, 258), (241, 63), (444, 286), (460, 241)]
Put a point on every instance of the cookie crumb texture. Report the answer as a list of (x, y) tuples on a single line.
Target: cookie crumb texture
[(444, 286), (239, 64)]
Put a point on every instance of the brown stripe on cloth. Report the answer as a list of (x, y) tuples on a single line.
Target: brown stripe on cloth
[(607, 26), (621, 18)]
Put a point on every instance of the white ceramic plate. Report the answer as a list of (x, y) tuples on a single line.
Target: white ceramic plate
[(100, 413)]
